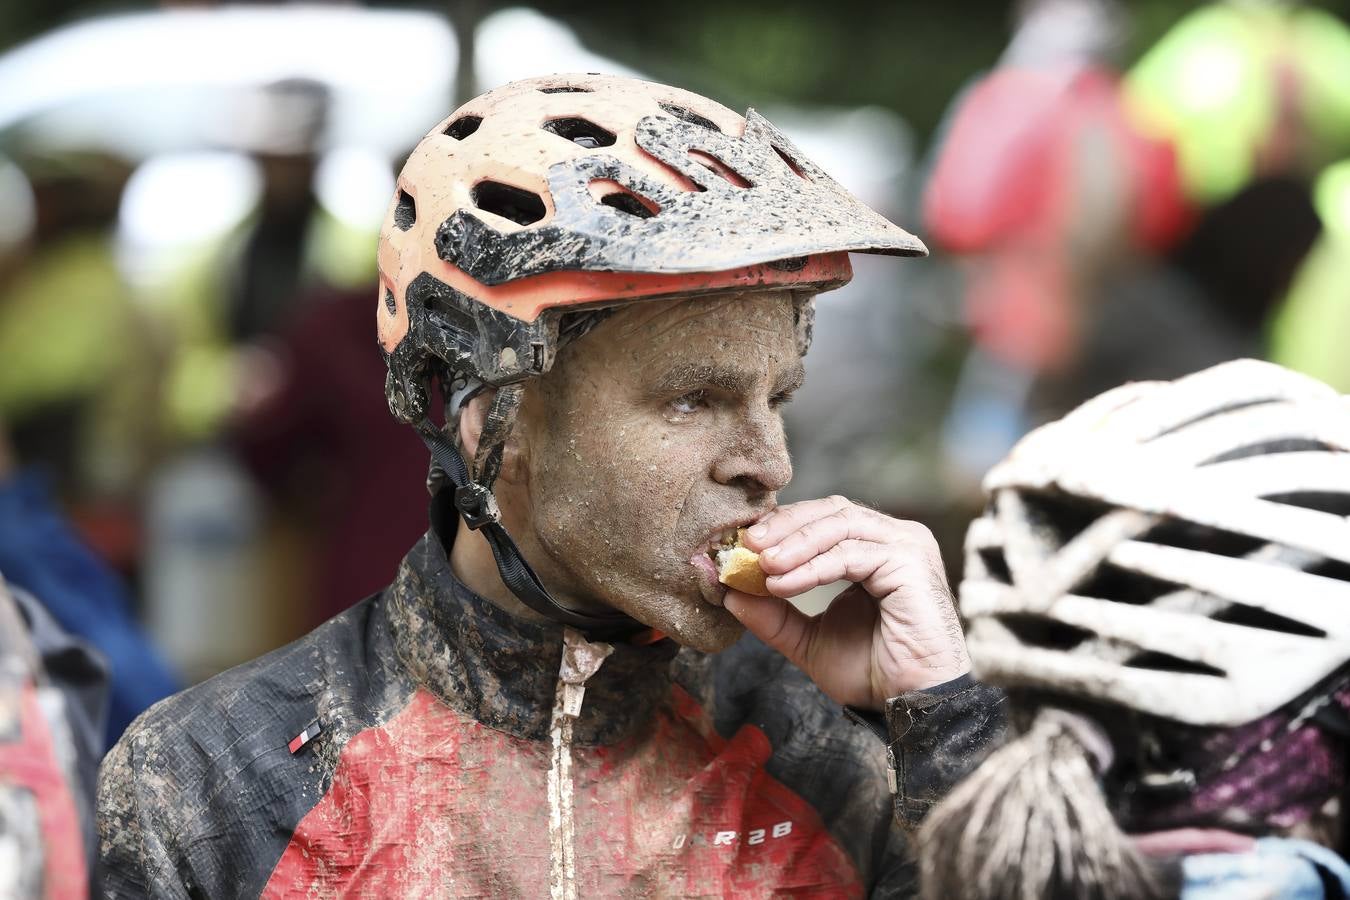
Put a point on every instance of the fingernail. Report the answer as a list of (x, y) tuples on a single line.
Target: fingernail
[(770, 553), (759, 530)]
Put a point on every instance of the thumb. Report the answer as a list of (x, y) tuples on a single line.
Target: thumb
[(774, 621)]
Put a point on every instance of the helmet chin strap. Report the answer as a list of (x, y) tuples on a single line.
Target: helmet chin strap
[(475, 503)]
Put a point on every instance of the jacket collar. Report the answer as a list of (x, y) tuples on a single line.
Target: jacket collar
[(502, 670)]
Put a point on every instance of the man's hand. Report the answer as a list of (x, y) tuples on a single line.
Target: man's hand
[(894, 630)]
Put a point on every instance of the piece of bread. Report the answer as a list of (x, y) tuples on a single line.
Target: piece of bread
[(738, 568)]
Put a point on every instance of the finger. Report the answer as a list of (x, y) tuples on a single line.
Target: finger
[(852, 523), (774, 621), (858, 561), (786, 519)]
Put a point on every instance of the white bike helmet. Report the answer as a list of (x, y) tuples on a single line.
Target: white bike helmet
[(1180, 549)]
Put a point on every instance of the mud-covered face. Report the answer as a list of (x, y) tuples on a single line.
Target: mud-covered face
[(649, 438)]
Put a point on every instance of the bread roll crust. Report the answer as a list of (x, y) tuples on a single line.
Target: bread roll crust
[(738, 568)]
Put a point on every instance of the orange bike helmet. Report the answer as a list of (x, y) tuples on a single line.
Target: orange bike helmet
[(550, 194), (558, 195)]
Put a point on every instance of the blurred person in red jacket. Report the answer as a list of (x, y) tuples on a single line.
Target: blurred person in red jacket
[(1046, 188)]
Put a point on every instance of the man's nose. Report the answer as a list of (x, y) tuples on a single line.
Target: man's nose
[(758, 459)]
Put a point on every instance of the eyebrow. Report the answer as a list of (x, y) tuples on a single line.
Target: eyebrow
[(682, 379)]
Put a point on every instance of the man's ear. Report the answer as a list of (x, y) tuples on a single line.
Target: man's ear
[(471, 419)]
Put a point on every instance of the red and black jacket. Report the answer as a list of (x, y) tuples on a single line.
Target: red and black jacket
[(402, 750)]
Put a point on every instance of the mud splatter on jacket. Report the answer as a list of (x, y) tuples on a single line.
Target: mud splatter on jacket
[(401, 750)]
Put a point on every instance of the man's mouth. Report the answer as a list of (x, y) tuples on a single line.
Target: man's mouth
[(723, 542), (705, 559)]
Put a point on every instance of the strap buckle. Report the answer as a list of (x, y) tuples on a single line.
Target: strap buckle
[(477, 505)]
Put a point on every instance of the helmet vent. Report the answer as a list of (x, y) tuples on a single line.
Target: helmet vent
[(715, 165), (688, 115), (1252, 617), (1058, 518), (463, 127), (1330, 568), (628, 203), (405, 212), (565, 89), (1110, 582), (1193, 536), (587, 135), (790, 162), (517, 204), (1267, 448), (996, 564), (1165, 662), (1039, 631), (1322, 501)]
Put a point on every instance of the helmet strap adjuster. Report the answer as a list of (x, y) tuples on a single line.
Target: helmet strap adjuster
[(477, 505)]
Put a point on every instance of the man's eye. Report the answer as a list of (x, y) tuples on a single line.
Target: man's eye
[(690, 402)]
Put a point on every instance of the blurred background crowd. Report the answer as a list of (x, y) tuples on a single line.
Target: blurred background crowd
[(196, 462)]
